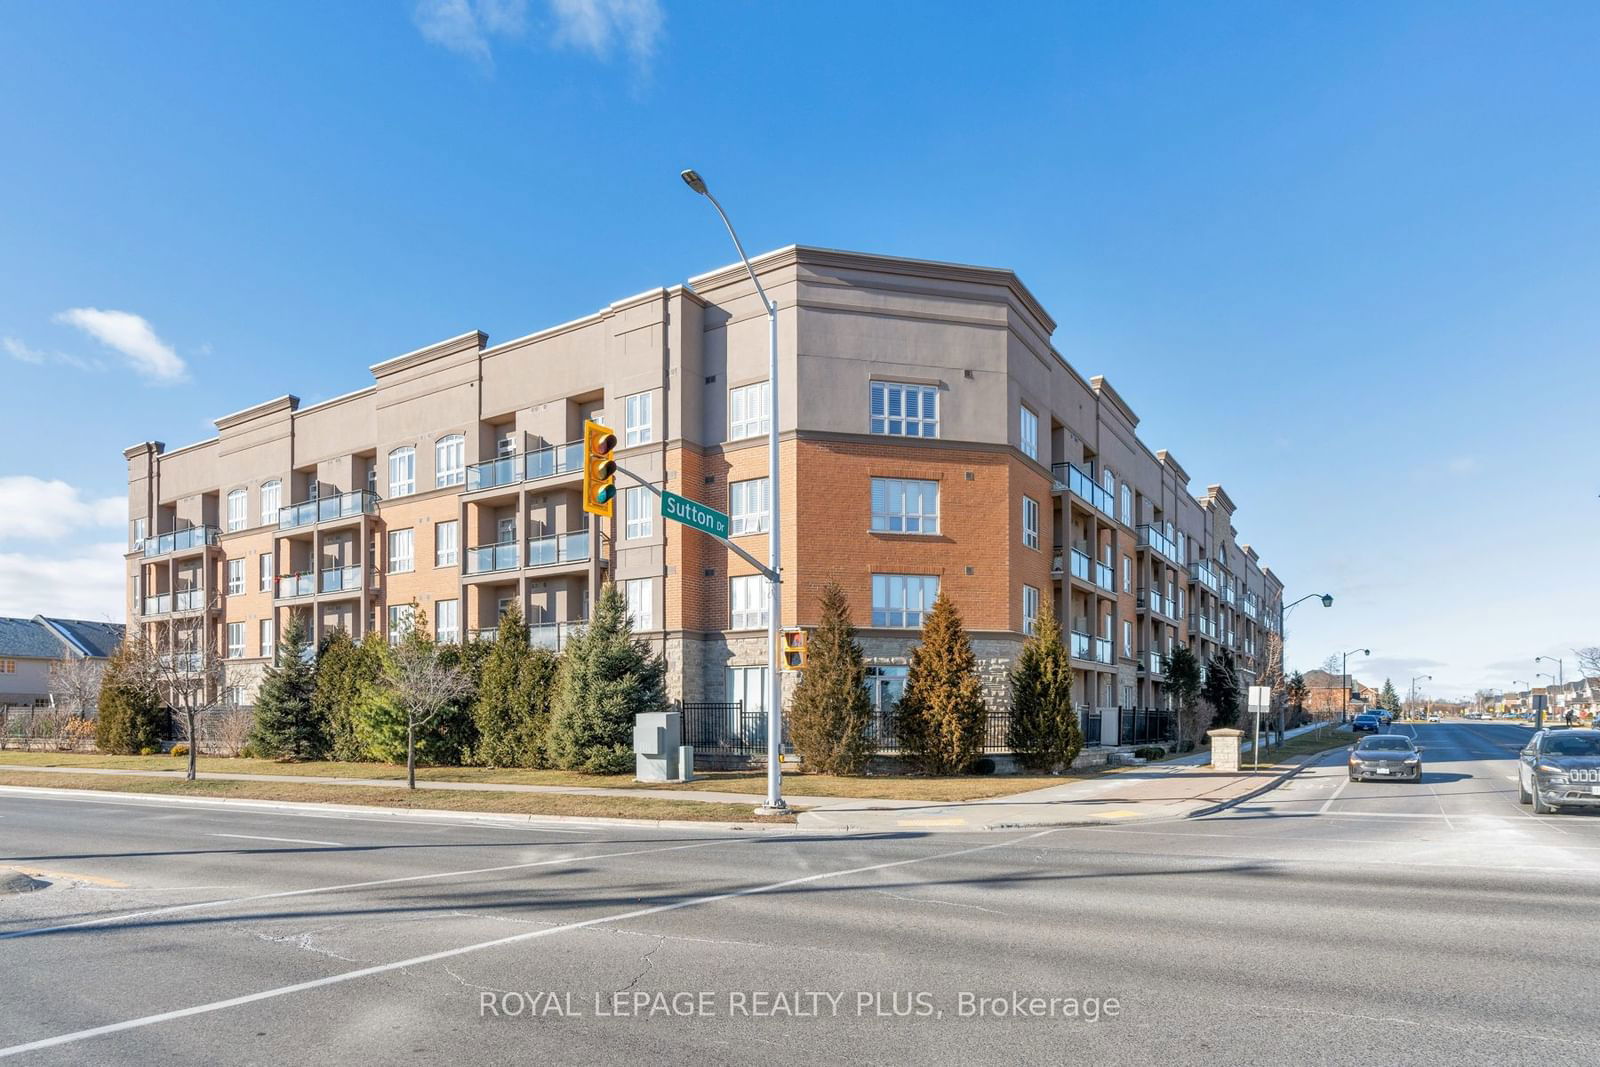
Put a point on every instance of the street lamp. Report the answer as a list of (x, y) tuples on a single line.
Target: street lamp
[(1283, 656), (775, 803), (1560, 680), (1344, 677), (1414, 681)]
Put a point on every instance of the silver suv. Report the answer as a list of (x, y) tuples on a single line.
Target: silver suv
[(1560, 769)]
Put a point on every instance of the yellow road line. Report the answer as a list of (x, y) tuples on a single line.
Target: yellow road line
[(67, 876)]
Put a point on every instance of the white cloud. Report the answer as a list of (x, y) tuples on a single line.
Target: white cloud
[(34, 509), (22, 353), (85, 583), (466, 26), (132, 336), (595, 25)]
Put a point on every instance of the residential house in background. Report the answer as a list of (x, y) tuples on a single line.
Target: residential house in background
[(29, 647)]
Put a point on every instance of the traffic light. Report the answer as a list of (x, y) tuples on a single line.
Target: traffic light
[(599, 470), (794, 650)]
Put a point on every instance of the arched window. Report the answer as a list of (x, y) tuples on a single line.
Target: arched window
[(1109, 480), (403, 471), (449, 461), (238, 510), (271, 501)]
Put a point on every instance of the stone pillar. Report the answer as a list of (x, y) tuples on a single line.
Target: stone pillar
[(1225, 750)]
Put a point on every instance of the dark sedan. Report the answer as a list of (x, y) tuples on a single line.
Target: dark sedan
[(1387, 756), (1365, 724), (1560, 769)]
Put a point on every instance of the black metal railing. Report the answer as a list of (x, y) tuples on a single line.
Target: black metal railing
[(725, 728), (1143, 726)]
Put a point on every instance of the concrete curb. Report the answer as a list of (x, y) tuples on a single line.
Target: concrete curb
[(1305, 762), (422, 814)]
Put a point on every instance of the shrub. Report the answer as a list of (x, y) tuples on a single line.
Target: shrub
[(148, 750), (940, 718), (344, 668), (1044, 732), (512, 709), (831, 712), (607, 678), (179, 749), (288, 724), (129, 719), (1150, 752)]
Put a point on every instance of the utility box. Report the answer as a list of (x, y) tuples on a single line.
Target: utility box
[(1225, 750), (657, 737)]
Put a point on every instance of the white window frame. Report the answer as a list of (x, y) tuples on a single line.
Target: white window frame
[(271, 501), (1108, 481), (748, 687), (640, 595), (447, 631), (748, 602), (748, 414), (447, 554), (450, 461), (266, 637), (885, 398), (1030, 608), (638, 516), (1127, 504), (235, 572), (749, 506), (1028, 431), (235, 634), (402, 551), (638, 419), (901, 505), (266, 571), (899, 601), (1030, 522), (1127, 573), (1127, 638), (400, 617), (402, 471), (238, 509)]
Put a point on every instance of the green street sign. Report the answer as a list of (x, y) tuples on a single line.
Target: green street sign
[(682, 509)]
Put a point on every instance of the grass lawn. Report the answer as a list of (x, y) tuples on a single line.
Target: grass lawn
[(878, 787), (1303, 745), (610, 807)]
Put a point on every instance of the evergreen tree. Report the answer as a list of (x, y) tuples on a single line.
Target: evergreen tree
[(1183, 682), (1222, 690), (831, 715), (1389, 700), (129, 716), (1044, 731), (941, 716), (607, 677), (287, 724), (344, 670), (512, 710), (1296, 691)]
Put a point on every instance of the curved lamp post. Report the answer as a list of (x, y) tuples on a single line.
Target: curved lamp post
[(1560, 680), (1344, 709)]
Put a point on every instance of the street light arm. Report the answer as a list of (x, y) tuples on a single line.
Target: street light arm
[(738, 245)]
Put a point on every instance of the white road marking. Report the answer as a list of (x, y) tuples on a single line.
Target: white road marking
[(285, 840), (175, 908), (1326, 804), (514, 939)]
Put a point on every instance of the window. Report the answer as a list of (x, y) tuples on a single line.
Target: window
[(1127, 696), (235, 577), (400, 619), (138, 533), (747, 597), (236, 640), (1183, 548), (238, 510), (900, 505), (1127, 504), (636, 422), (747, 686), (266, 639), (1127, 574), (641, 603), (400, 552), (403, 471), (1030, 522), (447, 621), (904, 410), (8, 666), (747, 411), (449, 461), (372, 477), (233, 696), (639, 521), (1028, 432), (749, 506), (900, 600), (1109, 481), (1030, 608), (264, 565), (1127, 638), (271, 501), (447, 543)]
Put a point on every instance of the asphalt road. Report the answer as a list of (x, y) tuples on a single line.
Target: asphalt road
[(1324, 922)]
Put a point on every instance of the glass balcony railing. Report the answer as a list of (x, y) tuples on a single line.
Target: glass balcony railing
[(1105, 577), (1229, 595), (1151, 662), (296, 585), (1080, 565), (1080, 645), (1154, 601), (495, 472), (1152, 537), (1203, 625), (1102, 649), (328, 508), (340, 579), (559, 548), (159, 604), (487, 633), (189, 600), (554, 635), (181, 540), (487, 559), (1206, 574), (1069, 477), (554, 460)]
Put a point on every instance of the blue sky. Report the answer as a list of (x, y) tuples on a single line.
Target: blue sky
[(1343, 258)]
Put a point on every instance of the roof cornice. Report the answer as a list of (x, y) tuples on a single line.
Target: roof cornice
[(1104, 390), (471, 340), (1170, 461), (286, 402), (1221, 497)]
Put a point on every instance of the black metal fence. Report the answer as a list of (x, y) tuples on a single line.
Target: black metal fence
[(1143, 726), (726, 728)]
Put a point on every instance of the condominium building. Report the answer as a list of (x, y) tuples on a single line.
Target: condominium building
[(932, 439)]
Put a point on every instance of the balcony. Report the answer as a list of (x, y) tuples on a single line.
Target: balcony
[(182, 541), (1250, 607), (1152, 663), (554, 635), (1080, 564), (327, 509), (1151, 537), (1206, 574), (189, 600), (1102, 650), (1202, 624), (1093, 649), (1105, 577), (560, 548), (340, 580), (1229, 595), (1151, 600), (159, 604), (548, 462), (1069, 478), (488, 559), (294, 586)]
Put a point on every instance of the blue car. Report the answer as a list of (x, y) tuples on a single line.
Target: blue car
[(1366, 724)]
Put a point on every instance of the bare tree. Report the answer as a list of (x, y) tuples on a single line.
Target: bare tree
[(75, 684), (189, 676), (423, 682), (227, 732), (1272, 676), (1589, 661)]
